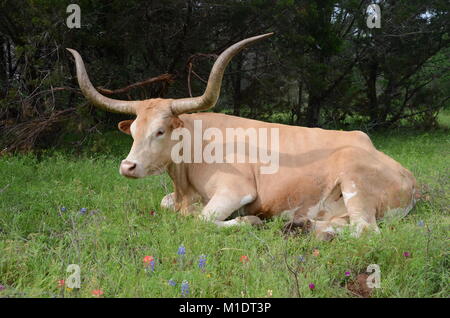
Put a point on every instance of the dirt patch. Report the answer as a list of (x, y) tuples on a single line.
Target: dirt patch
[(297, 227), (359, 287)]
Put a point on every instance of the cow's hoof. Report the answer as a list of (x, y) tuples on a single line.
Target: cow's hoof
[(298, 226), (168, 202), (251, 219), (326, 236)]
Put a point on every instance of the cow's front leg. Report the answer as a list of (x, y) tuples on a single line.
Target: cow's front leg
[(168, 202), (223, 204), (189, 204)]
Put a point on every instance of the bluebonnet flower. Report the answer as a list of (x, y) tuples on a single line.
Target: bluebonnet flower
[(421, 223), (301, 259), (181, 250), (83, 211), (63, 209), (172, 282), (184, 288), (152, 265), (202, 262)]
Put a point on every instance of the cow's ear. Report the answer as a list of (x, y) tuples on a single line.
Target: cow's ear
[(177, 123), (124, 126)]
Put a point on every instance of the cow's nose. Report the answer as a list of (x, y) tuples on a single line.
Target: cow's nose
[(127, 167)]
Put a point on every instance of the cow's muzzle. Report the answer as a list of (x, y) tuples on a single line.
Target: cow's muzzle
[(128, 169)]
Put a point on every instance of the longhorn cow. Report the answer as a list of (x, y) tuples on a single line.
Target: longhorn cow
[(326, 179)]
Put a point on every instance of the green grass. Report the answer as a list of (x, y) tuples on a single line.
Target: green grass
[(38, 241)]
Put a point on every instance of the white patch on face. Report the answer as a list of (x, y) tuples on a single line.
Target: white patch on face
[(353, 185), (247, 199), (133, 128), (348, 195)]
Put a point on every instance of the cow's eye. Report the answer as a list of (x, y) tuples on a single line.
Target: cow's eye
[(159, 132)]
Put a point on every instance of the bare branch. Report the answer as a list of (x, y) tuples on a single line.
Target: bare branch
[(168, 78)]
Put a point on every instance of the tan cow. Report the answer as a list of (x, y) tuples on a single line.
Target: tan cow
[(325, 180)]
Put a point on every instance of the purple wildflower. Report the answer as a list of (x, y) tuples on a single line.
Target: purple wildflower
[(406, 254), (172, 282), (202, 262), (152, 265), (311, 286), (2, 287), (184, 288), (83, 211), (347, 273), (181, 250)]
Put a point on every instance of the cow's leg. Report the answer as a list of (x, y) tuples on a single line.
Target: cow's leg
[(168, 202), (327, 230), (323, 230), (223, 204), (361, 222), (189, 204), (361, 208)]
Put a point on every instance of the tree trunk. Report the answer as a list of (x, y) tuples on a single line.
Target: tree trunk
[(3, 72), (371, 83), (297, 109), (386, 103), (313, 111)]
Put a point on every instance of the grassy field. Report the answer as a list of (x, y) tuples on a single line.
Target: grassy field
[(109, 242)]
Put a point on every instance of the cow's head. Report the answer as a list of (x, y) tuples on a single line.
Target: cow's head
[(157, 118)]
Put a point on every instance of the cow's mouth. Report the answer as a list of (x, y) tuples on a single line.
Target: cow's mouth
[(130, 176), (155, 172)]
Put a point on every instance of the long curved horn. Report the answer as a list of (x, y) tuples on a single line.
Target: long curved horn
[(211, 94), (109, 104)]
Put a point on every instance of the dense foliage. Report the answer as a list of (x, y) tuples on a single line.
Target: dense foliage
[(323, 67)]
